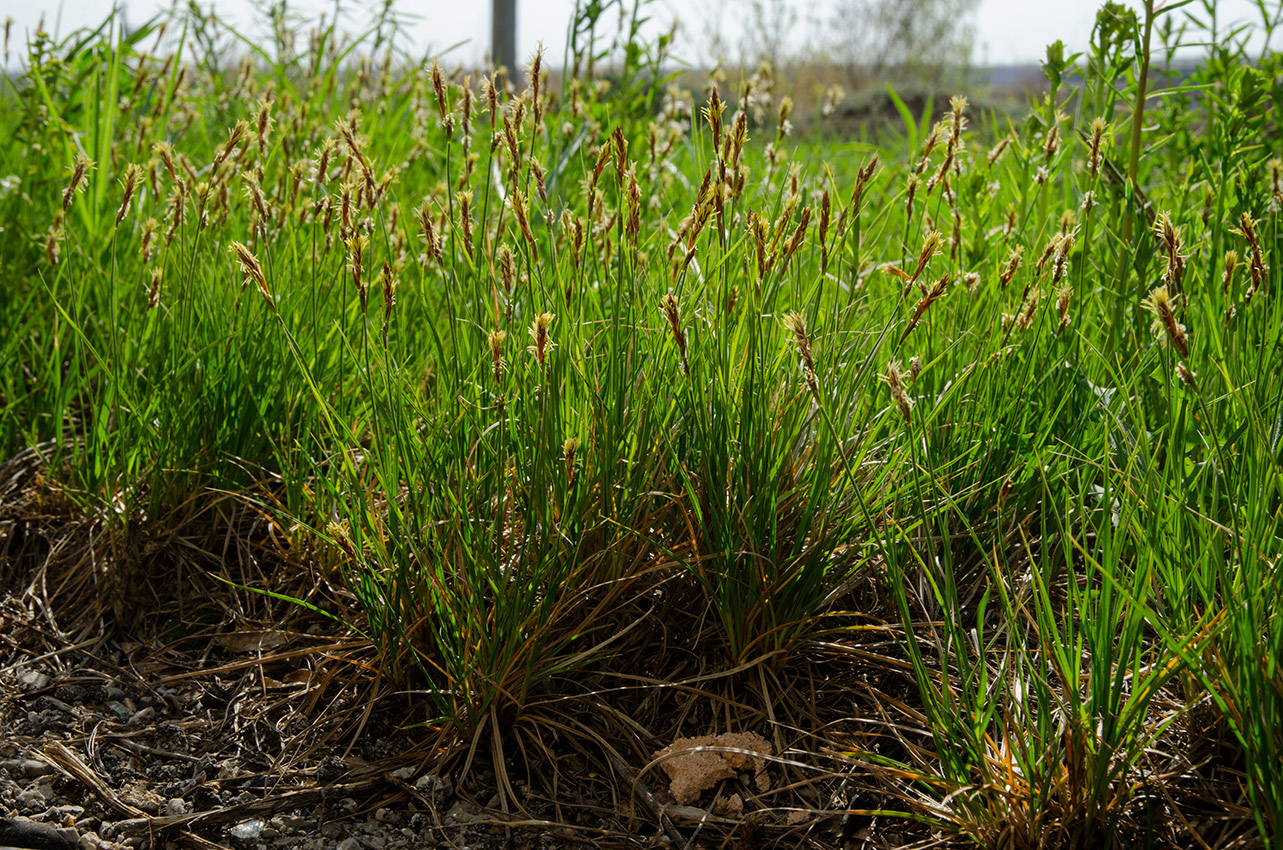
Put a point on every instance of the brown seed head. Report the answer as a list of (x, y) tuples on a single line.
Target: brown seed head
[(930, 247), (632, 226), (1172, 244), (1231, 263), (1256, 267), (323, 154), (263, 123), (153, 289), (1063, 249), (929, 297), (251, 270), (495, 340), (533, 73), (795, 324), (785, 126), (668, 306), (894, 379), (356, 246), (165, 151), (1097, 146), (133, 176), (492, 98), (79, 171), (1187, 376), (568, 451), (438, 87), (520, 210), (1063, 297), (428, 230), (621, 155), (234, 138), (713, 113), (539, 333), (388, 284), (1159, 303), (997, 151), (862, 179), (349, 129)]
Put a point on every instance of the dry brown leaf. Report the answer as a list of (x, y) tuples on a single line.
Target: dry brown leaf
[(694, 772)]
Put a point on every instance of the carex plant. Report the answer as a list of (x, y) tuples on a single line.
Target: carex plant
[(539, 362)]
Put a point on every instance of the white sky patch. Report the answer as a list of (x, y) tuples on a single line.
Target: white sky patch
[(1006, 31)]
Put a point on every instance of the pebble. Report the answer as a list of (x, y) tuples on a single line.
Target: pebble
[(247, 830), (176, 807), (33, 799), (30, 768), (33, 679), (461, 813), (296, 822), (431, 783), (119, 710), (349, 843)]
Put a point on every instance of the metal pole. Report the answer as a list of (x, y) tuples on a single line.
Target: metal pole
[(503, 38)]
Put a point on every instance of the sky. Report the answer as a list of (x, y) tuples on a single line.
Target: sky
[(1006, 31)]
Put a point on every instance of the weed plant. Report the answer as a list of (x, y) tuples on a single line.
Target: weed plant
[(538, 366)]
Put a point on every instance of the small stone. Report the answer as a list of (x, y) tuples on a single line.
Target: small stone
[(176, 807), (376, 842), (142, 716), (247, 830), (434, 785), (69, 835), (33, 679), (34, 768), (330, 769), (117, 708), (33, 799), (90, 841), (349, 843), (461, 813), (405, 774), (24, 832), (387, 816), (29, 768)]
